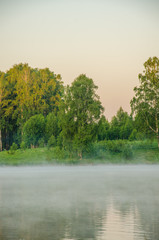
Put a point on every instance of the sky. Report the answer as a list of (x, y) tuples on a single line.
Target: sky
[(108, 40)]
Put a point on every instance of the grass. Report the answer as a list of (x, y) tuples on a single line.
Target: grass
[(23, 157), (142, 153)]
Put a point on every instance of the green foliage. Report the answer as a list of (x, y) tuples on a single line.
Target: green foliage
[(141, 136), (7, 97), (133, 135), (103, 129), (143, 152), (25, 92), (60, 140), (145, 103), (36, 110), (98, 150), (33, 130), (23, 145), (59, 154), (13, 148), (41, 142), (52, 141), (52, 127), (144, 144), (116, 146), (79, 112), (126, 129), (127, 152), (108, 149), (121, 126)]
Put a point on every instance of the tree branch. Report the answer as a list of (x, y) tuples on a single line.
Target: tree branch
[(150, 126)]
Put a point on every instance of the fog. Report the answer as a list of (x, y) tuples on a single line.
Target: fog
[(79, 202)]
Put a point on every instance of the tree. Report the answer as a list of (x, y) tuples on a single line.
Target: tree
[(103, 129), (37, 91), (52, 128), (7, 97), (145, 103), (121, 125), (80, 112), (34, 130), (25, 92), (1, 96)]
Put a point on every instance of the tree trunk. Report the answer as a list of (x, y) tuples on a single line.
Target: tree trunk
[(80, 155)]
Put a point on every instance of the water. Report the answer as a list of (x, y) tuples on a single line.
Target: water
[(82, 202)]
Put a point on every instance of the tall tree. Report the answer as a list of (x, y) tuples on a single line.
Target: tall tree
[(146, 100), (8, 95), (103, 129), (37, 91), (121, 125), (1, 96), (24, 92), (80, 110)]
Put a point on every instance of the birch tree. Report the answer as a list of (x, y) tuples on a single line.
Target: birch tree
[(146, 99), (80, 111)]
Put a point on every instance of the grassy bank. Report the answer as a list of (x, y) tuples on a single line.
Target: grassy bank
[(117, 152)]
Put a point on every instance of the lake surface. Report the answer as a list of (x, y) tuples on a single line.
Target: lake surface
[(79, 202)]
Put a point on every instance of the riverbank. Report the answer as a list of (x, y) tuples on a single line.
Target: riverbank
[(45, 156)]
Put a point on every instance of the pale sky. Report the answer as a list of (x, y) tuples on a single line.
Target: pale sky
[(108, 40)]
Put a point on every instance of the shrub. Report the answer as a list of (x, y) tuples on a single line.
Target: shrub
[(127, 152), (146, 144), (59, 153), (13, 148), (98, 150), (23, 145), (116, 146)]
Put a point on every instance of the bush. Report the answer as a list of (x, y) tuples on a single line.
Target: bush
[(103, 149), (146, 144), (127, 152), (116, 146), (98, 150), (59, 153), (140, 136), (13, 148), (23, 145)]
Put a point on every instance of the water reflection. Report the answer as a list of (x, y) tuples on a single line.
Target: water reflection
[(117, 226), (98, 202)]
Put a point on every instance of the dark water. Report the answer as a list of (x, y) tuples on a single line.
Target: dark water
[(84, 202)]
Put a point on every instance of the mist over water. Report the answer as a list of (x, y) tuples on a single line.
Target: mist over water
[(79, 202)]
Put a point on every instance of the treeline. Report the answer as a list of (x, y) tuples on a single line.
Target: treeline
[(37, 110), (25, 92)]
